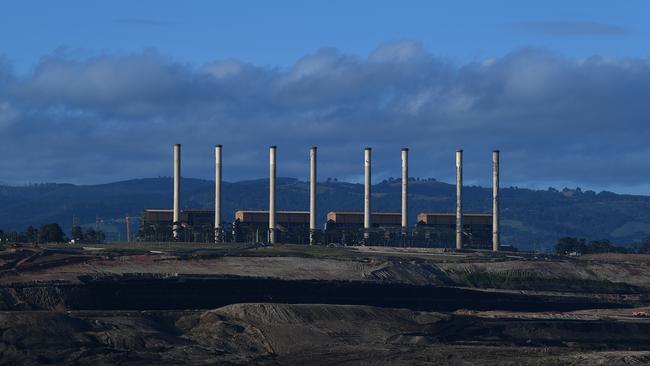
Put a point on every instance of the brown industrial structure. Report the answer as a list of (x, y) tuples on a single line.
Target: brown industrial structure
[(457, 229), (290, 226), (194, 225), (439, 229)]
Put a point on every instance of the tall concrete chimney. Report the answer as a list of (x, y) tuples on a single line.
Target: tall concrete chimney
[(459, 199), (495, 201), (367, 195), (177, 192), (272, 225), (312, 195), (405, 180), (218, 229)]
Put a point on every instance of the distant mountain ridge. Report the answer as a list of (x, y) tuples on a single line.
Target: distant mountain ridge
[(529, 217)]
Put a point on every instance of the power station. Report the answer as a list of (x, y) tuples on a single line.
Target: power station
[(459, 229)]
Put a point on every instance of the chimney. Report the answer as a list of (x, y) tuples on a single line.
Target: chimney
[(459, 199), (177, 192), (312, 195), (127, 221), (367, 195), (495, 201), (272, 160), (218, 229), (405, 179)]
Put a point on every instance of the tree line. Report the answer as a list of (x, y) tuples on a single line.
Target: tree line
[(576, 246), (51, 233)]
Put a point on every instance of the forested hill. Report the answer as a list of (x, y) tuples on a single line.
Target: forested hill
[(528, 216)]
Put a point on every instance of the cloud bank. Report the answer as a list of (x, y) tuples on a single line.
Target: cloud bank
[(115, 116)]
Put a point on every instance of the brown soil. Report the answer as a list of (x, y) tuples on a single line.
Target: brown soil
[(277, 334), (76, 324)]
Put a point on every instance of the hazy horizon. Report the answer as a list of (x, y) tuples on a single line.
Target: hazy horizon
[(327, 180)]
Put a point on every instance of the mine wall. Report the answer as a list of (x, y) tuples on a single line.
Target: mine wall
[(151, 292)]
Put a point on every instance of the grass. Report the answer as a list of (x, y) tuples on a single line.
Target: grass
[(305, 251), (521, 280), (278, 250), (226, 249)]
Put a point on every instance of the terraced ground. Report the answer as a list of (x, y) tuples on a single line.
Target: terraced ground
[(289, 304)]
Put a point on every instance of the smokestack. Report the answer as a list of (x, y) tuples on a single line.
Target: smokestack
[(177, 192), (218, 229), (272, 161), (459, 199), (495, 201), (405, 178), (312, 195), (366, 195)]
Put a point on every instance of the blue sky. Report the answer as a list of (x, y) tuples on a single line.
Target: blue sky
[(559, 87), (277, 33)]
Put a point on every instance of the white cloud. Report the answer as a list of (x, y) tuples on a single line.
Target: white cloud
[(399, 52), (116, 116)]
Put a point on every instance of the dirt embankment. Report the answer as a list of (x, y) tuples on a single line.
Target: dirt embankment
[(296, 305), (277, 334), (113, 279), (605, 274), (415, 267)]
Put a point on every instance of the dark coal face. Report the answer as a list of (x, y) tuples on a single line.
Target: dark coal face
[(143, 293)]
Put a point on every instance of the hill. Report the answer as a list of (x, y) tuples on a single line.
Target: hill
[(529, 217)]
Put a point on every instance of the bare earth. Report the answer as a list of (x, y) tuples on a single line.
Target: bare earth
[(287, 305)]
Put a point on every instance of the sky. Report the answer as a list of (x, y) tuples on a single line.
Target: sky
[(93, 92)]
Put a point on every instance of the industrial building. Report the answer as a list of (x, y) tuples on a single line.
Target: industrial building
[(290, 227), (348, 228), (433, 229), (194, 225), (438, 229), (457, 229)]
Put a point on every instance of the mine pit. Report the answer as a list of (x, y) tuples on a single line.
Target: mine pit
[(147, 292), (293, 305)]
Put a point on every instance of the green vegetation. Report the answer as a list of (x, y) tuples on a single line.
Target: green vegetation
[(569, 245), (48, 233), (89, 236), (522, 280), (305, 251), (51, 233), (644, 247), (226, 249), (577, 246), (532, 216)]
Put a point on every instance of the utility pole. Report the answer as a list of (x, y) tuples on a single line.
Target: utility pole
[(127, 219)]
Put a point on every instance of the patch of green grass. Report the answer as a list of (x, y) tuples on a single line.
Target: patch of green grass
[(304, 251), (222, 249), (521, 280), (342, 253)]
